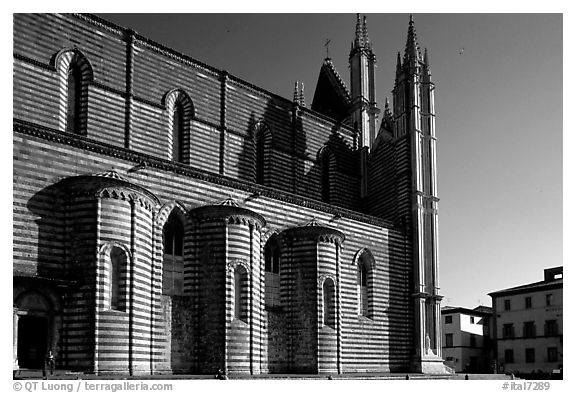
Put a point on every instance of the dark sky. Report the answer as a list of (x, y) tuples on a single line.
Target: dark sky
[(498, 107)]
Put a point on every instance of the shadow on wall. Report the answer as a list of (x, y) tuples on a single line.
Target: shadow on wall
[(290, 166)]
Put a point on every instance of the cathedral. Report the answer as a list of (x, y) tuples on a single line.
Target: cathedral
[(171, 218)]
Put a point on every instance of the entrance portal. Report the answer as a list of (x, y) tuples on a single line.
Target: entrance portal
[(32, 341)]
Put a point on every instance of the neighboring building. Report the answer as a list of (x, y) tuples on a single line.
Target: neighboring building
[(528, 326), (171, 217), (466, 339)]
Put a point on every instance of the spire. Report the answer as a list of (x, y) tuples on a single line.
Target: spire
[(358, 37), (412, 51), (296, 95), (398, 67), (365, 34), (301, 100)]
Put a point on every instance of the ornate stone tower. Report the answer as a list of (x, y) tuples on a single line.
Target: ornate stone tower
[(363, 109), (414, 131)]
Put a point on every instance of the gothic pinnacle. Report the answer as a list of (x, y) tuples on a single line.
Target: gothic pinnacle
[(358, 37), (412, 51), (296, 95), (398, 67), (365, 34)]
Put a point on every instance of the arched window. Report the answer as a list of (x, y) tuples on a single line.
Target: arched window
[(328, 309), (74, 84), (173, 261), (365, 267), (362, 290), (117, 292), (240, 294), (260, 159), (173, 236), (262, 147), (177, 132), (179, 111), (327, 165), (74, 74), (272, 271)]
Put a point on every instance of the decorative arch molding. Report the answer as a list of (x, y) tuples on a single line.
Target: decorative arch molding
[(229, 214), (171, 97), (36, 301), (262, 141), (125, 195), (371, 262), (326, 161), (262, 129), (107, 247), (235, 263), (323, 277), (179, 148), (173, 206), (62, 62)]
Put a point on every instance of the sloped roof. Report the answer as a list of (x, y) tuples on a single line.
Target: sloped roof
[(533, 287), (331, 97)]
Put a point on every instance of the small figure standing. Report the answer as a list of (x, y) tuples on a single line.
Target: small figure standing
[(51, 362), (221, 374)]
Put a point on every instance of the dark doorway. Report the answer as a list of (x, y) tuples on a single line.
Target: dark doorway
[(32, 341)]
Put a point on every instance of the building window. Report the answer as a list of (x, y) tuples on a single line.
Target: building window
[(530, 355), (507, 304), (74, 99), (327, 166), (472, 320), (272, 255), (240, 293), (363, 290), (173, 236), (262, 147), (179, 112), (473, 341), (529, 329), (117, 292), (448, 319), (509, 356), (449, 340), (528, 301), (272, 271), (551, 327), (548, 299), (553, 354), (328, 303), (173, 260), (178, 132), (365, 261), (508, 330)]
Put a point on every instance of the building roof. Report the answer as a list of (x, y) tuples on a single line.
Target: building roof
[(533, 287), (481, 311)]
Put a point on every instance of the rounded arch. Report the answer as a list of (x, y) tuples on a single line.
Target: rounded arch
[(173, 228), (179, 114), (328, 301), (167, 209), (75, 74), (62, 59), (262, 129), (178, 95), (106, 249), (241, 287), (262, 146), (365, 266), (35, 301), (327, 162)]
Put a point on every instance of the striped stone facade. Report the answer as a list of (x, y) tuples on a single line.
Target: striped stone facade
[(146, 229)]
